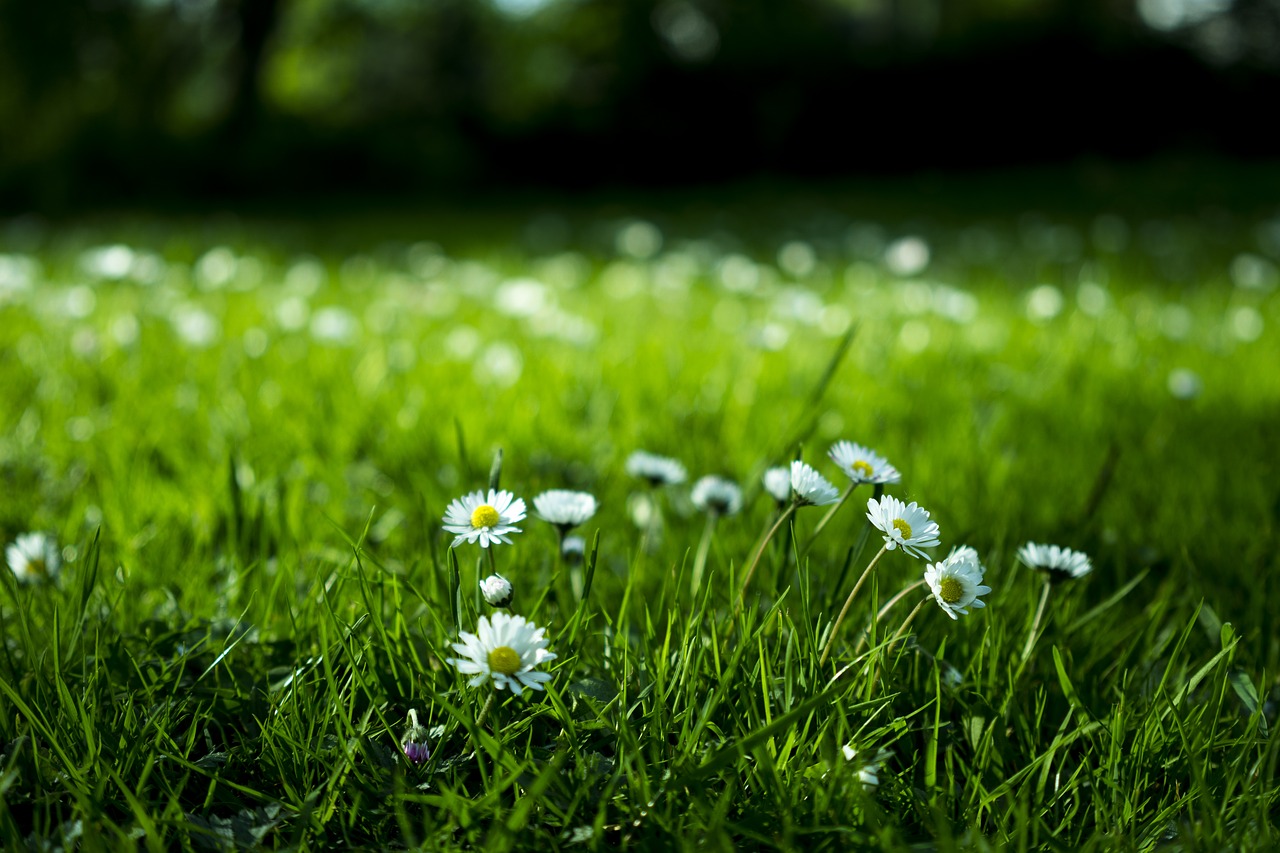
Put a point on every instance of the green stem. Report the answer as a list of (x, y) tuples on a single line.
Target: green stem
[(484, 712), (906, 622), (826, 650), (704, 546), (885, 610), (787, 513), (1035, 623)]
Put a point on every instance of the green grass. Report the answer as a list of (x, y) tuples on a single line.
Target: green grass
[(257, 588)]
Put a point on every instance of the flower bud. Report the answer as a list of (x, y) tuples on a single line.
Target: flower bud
[(415, 740), (497, 590)]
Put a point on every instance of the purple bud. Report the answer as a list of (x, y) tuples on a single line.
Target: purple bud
[(415, 740)]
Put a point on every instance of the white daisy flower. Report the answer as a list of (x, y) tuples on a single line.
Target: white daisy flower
[(905, 526), (565, 509), (809, 488), (717, 496), (777, 482), (658, 470), (34, 557), (487, 520), (862, 464), (868, 769), (504, 649), (956, 582), (496, 590), (1060, 563)]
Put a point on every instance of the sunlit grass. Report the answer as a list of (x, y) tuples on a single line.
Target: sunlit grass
[(245, 436)]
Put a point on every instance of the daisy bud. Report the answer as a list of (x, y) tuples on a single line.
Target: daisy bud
[(415, 740), (497, 590)]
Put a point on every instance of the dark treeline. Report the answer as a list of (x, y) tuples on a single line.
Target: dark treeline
[(115, 101)]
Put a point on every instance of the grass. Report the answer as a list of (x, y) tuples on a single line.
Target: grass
[(245, 434)]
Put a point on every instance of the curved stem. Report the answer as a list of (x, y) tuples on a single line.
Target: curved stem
[(906, 622), (884, 610), (704, 546), (1035, 623), (835, 507), (787, 513), (826, 650)]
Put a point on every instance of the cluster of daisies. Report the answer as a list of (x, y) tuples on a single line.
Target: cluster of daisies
[(507, 650)]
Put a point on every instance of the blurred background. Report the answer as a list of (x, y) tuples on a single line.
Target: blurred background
[(183, 102)]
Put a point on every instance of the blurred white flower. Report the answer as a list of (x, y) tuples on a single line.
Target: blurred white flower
[(34, 557), (1060, 563), (716, 495)]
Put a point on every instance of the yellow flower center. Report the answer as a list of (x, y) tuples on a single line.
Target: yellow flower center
[(37, 566), (504, 659), (951, 590), (902, 527), (863, 468), (484, 516)]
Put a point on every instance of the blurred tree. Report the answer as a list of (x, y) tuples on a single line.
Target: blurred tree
[(110, 99)]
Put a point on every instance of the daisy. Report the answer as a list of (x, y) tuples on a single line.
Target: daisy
[(905, 526), (505, 649), (809, 488), (658, 470), (862, 464), (34, 557), (777, 482), (956, 582), (717, 496), (473, 518), (565, 509), (1060, 563), (496, 590), (868, 769), (414, 743)]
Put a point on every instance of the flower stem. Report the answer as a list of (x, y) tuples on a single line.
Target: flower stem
[(906, 622), (787, 513), (884, 610), (1035, 623), (484, 712), (826, 650), (835, 507), (704, 546)]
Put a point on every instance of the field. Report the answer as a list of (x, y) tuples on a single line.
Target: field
[(243, 435)]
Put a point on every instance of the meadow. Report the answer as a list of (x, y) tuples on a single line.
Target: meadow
[(243, 435)]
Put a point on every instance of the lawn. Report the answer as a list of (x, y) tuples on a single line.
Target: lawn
[(243, 435)]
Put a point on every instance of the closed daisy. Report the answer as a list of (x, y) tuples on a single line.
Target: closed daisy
[(565, 509), (956, 582), (809, 488), (716, 496), (33, 558), (484, 519), (496, 590), (658, 470), (861, 464), (505, 649), (1060, 563), (905, 526), (777, 482)]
